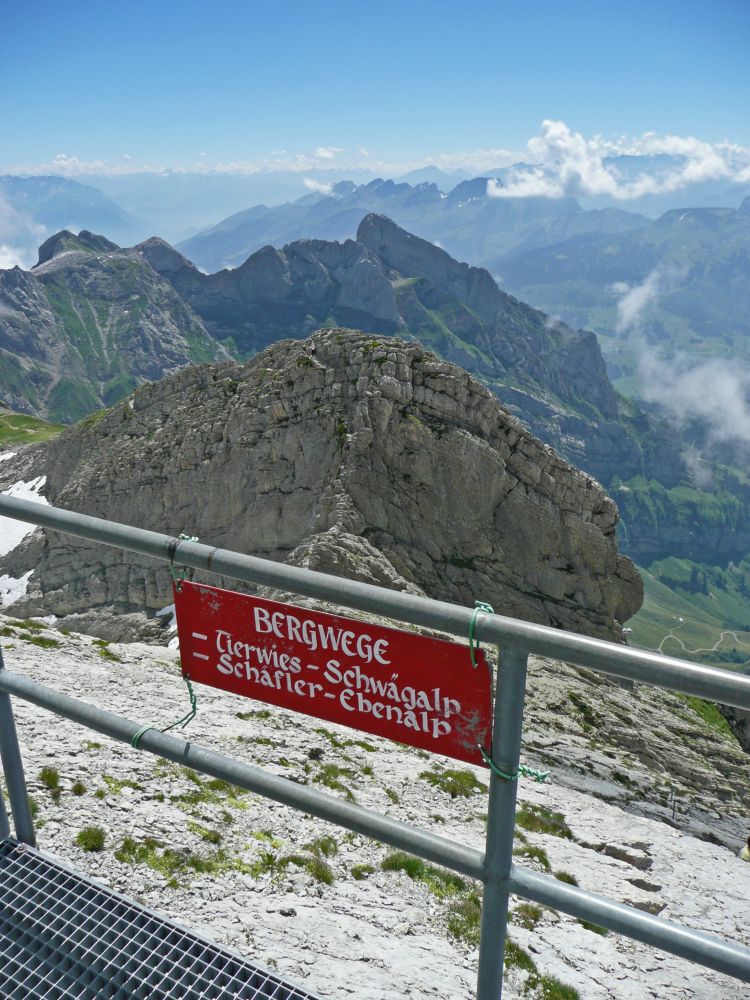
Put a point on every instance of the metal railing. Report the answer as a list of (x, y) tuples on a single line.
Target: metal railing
[(495, 867)]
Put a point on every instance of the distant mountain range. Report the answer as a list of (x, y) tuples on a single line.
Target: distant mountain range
[(467, 222), (92, 321), (570, 262), (570, 257)]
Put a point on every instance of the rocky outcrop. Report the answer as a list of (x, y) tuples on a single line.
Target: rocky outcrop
[(281, 293), (368, 458), (65, 241)]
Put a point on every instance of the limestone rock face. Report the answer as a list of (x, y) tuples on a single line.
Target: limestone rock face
[(368, 458), (278, 293), (521, 341)]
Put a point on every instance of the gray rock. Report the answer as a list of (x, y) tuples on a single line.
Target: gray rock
[(368, 458)]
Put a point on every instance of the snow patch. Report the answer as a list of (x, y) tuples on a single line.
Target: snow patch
[(168, 612), (11, 531), (6, 455), (171, 625), (11, 589)]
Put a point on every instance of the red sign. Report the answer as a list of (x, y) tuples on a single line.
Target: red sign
[(383, 681)]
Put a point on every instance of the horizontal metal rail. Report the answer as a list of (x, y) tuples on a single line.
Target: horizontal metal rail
[(425, 845), (697, 946), (516, 639), (724, 686), (708, 950)]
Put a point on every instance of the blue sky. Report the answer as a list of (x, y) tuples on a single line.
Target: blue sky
[(175, 84)]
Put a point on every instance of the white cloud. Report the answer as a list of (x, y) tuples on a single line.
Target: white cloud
[(564, 162), (19, 236), (12, 256), (557, 162), (320, 186), (480, 160), (713, 393), (327, 152), (634, 299), (279, 160)]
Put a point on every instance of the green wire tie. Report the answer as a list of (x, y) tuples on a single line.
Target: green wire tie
[(180, 722), (177, 576), (473, 644), (523, 769)]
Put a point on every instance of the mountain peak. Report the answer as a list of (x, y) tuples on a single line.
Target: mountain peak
[(412, 257), (163, 257), (64, 241)]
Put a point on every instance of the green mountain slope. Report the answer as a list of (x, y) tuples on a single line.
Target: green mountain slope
[(87, 325), (17, 428), (710, 624), (700, 259)]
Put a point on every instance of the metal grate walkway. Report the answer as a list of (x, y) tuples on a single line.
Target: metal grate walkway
[(62, 937)]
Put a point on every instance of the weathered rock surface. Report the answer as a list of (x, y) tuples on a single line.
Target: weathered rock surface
[(285, 293), (372, 459)]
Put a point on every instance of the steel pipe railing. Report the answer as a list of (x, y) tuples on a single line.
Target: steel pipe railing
[(494, 868), (606, 657)]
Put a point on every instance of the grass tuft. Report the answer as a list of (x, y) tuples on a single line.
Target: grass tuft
[(49, 777), (456, 783), (565, 877), (440, 883), (360, 872), (465, 918), (178, 865), (91, 838), (539, 819)]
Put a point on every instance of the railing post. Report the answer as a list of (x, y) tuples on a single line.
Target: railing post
[(510, 692), (10, 753), (4, 824)]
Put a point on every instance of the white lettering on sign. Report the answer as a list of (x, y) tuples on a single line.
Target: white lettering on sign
[(412, 689), (425, 711), (314, 635)]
